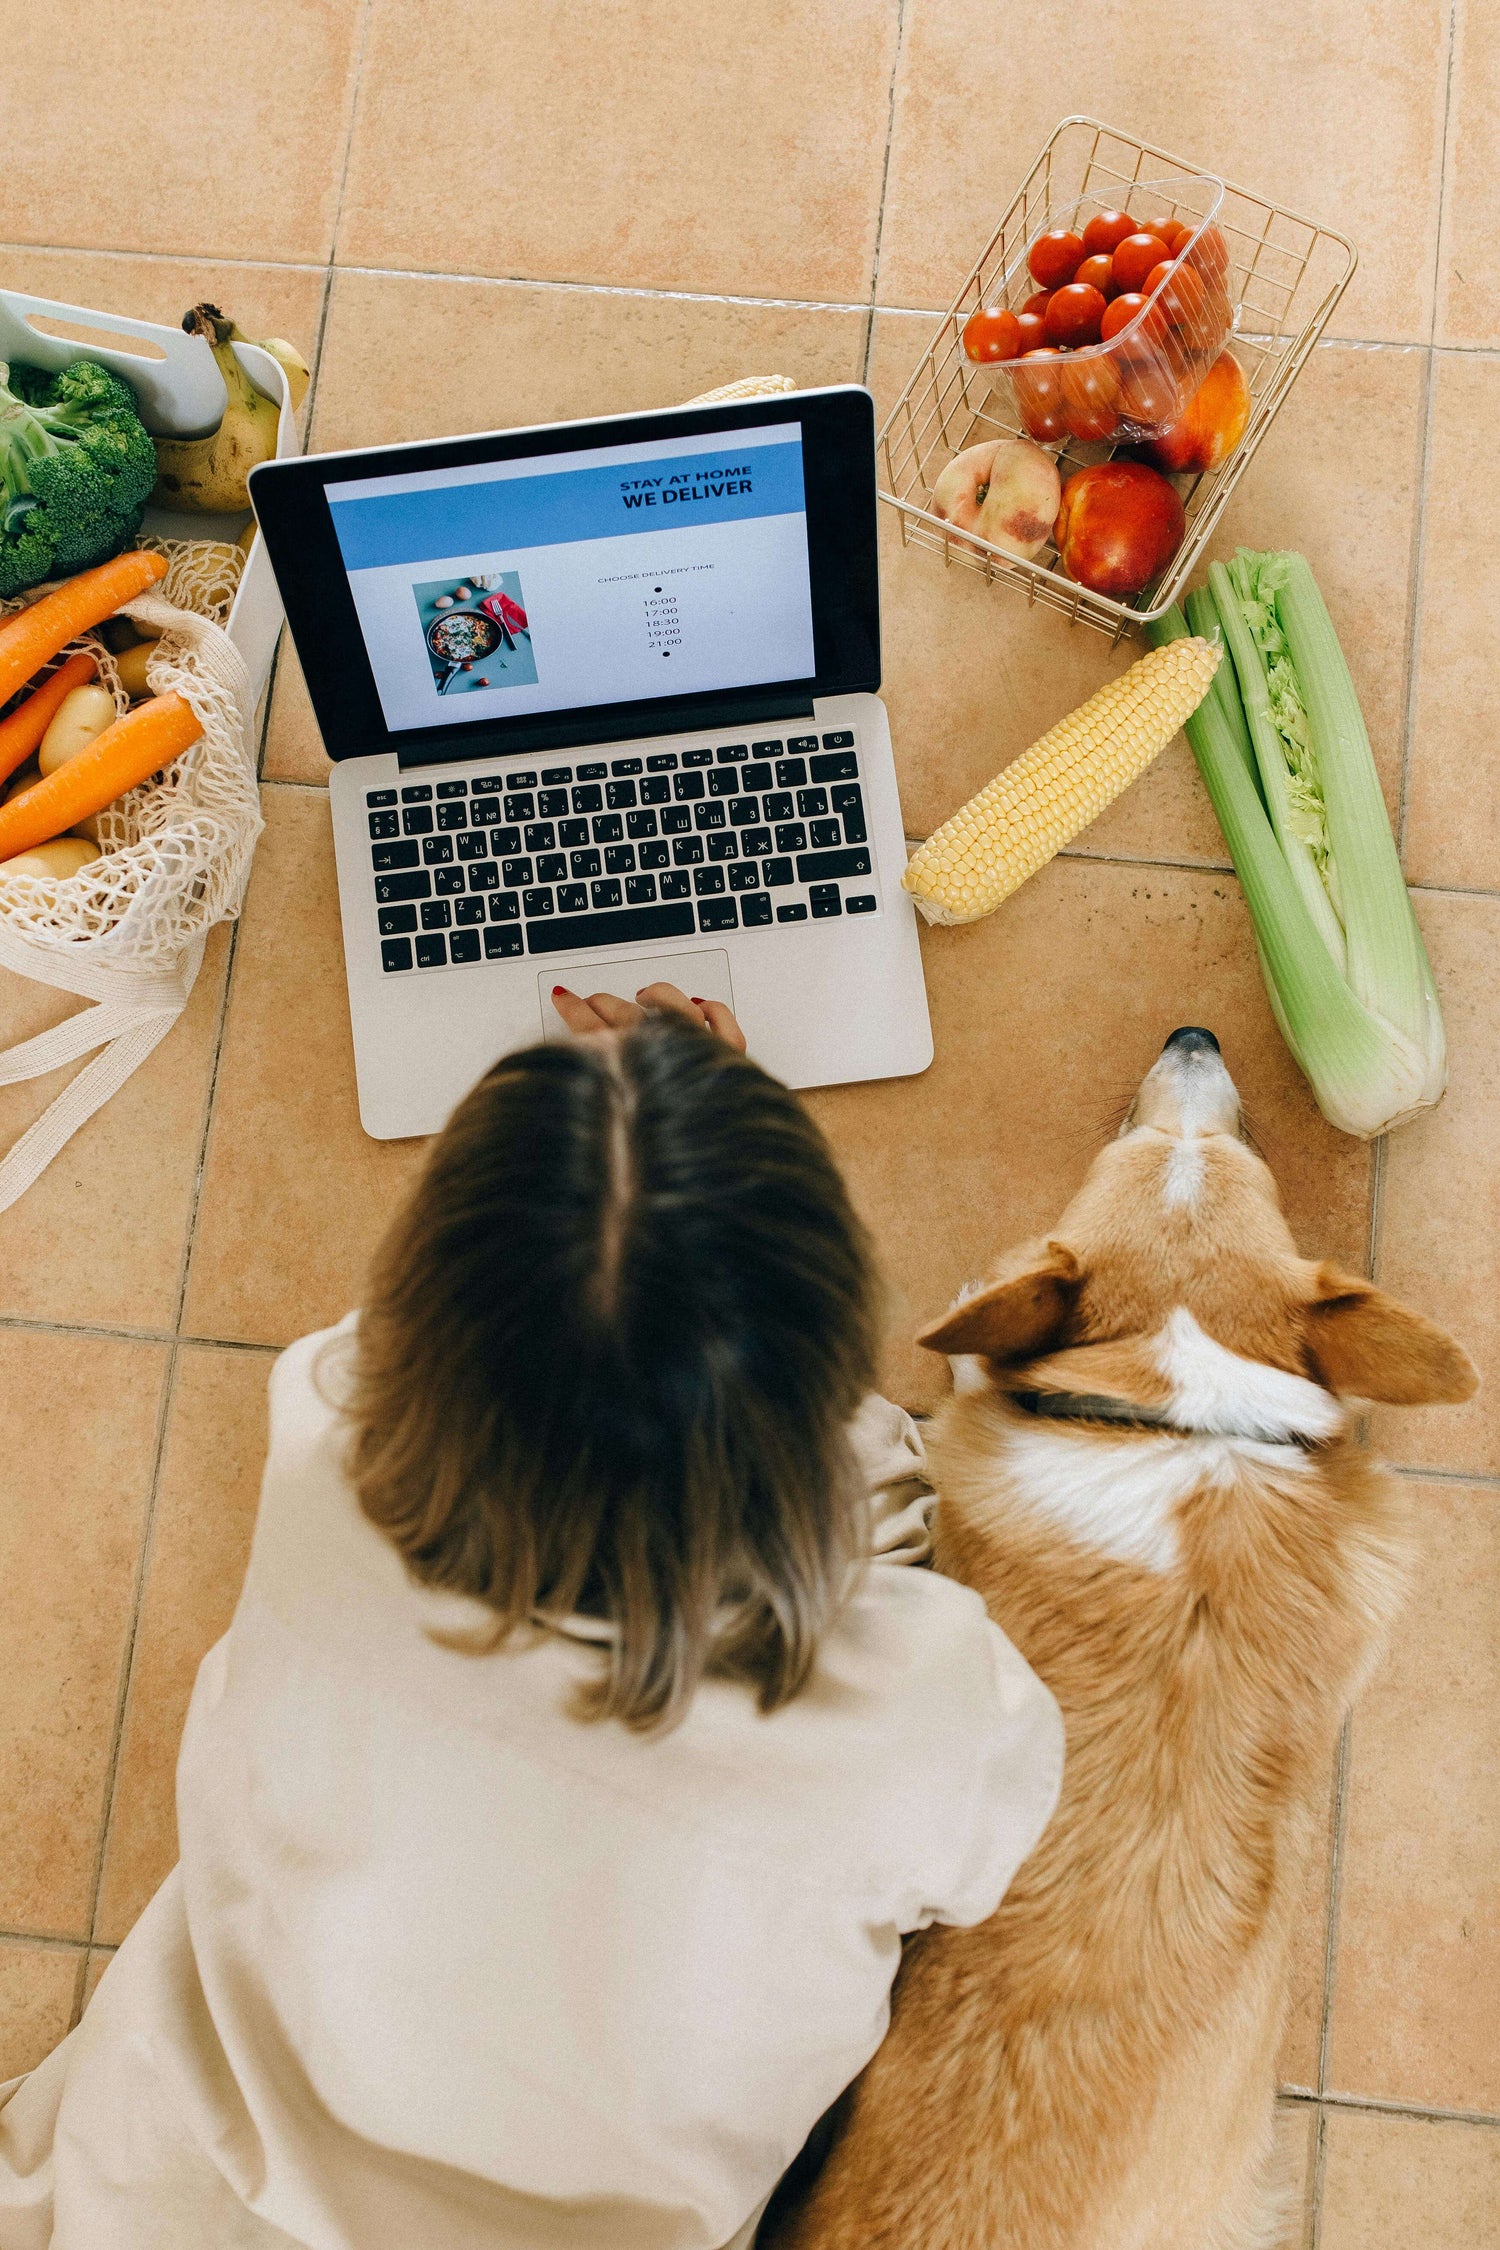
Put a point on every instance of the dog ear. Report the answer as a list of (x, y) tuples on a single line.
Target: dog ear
[(1364, 1345), (1016, 1318)]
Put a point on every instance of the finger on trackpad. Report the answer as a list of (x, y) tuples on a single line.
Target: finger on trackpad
[(702, 976)]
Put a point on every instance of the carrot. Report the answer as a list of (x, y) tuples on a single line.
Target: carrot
[(23, 730), (28, 639), (134, 748)]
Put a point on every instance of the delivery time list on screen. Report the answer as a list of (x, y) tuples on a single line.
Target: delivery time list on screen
[(565, 580)]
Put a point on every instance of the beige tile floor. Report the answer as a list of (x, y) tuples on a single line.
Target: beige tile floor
[(610, 205)]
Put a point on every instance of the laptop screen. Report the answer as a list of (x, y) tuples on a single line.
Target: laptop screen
[(562, 580)]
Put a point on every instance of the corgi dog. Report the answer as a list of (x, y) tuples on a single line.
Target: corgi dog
[(1149, 1470)]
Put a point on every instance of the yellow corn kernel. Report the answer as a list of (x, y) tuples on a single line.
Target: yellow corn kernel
[(1053, 790)]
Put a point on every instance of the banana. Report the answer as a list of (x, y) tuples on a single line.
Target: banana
[(207, 475), (287, 357)]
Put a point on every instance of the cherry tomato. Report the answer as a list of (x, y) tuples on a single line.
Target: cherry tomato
[(1149, 392), (1074, 314), (1172, 232), (1091, 398), (992, 335), (1184, 300), (1038, 301), (1211, 254), (1033, 332), (1119, 313), (1039, 395), (1137, 254), (1106, 231), (1156, 277), (1098, 273), (1054, 258)]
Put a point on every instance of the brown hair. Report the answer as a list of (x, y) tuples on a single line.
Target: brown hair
[(607, 1361)]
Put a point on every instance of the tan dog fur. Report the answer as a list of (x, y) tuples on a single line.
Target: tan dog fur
[(1094, 2067)]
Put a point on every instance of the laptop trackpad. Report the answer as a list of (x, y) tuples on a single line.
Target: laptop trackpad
[(702, 976)]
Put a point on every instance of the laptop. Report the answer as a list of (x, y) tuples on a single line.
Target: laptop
[(601, 701)]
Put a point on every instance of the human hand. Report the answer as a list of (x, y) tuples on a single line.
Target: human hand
[(604, 1011)]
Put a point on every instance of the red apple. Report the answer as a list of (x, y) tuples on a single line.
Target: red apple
[(1119, 524), (1212, 425)]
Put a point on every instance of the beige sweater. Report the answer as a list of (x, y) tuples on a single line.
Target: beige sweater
[(442, 1966)]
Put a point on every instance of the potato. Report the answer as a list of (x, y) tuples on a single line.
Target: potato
[(64, 855), (26, 777), (79, 719), (131, 666)]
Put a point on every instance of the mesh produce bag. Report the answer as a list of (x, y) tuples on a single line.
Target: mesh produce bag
[(127, 932)]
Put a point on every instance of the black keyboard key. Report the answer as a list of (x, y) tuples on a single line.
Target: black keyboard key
[(505, 843), (502, 945), (589, 799), (697, 757), (708, 816), (437, 851), (552, 867), (780, 805), (520, 781), (794, 913), (864, 904), (607, 827), (416, 821), (571, 832), (665, 761), (380, 797), (552, 775), (452, 789), (391, 889), (708, 881), (825, 900), (841, 766), (677, 820), (687, 786), (657, 790), (395, 953), (386, 858), (632, 925), (437, 914), (825, 835), (755, 842), (791, 836), (811, 802), (640, 824), (732, 753), (417, 793), (520, 806), (541, 836), (800, 744), (551, 803), (724, 783), (756, 777), (744, 877), (765, 749), (718, 914), (489, 785), (640, 890), (775, 873), (432, 952), (620, 859), (606, 893), (755, 912), (518, 872), (845, 797), (679, 884), (473, 844), (505, 907), (397, 921), (745, 811), (594, 772), (484, 876), (844, 741), (536, 902), (723, 847), (822, 867), (484, 812), (573, 898), (467, 911), (855, 831), (620, 795), (654, 855), (447, 880), (384, 824), (463, 946), (790, 773), (624, 765), (584, 865), (687, 851)]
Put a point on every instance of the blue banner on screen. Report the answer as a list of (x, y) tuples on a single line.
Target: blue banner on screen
[(597, 577)]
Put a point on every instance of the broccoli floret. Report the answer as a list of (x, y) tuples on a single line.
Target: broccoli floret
[(76, 470)]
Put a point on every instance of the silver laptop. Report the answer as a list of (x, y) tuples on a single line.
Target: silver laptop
[(601, 701)]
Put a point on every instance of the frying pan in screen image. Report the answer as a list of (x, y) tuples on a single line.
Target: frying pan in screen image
[(460, 637)]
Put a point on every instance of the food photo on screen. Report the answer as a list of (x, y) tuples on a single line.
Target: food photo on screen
[(476, 631)]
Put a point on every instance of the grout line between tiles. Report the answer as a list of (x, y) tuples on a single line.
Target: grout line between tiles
[(1383, 2105), (43, 1941), (1315, 2184), (1335, 1887), (885, 181)]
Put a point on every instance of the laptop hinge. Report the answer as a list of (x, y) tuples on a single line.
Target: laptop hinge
[(580, 729)]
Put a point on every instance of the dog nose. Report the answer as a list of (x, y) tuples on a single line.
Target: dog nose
[(1191, 1038)]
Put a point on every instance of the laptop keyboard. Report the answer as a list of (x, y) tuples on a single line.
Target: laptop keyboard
[(552, 858)]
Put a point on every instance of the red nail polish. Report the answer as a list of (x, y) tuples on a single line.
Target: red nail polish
[(557, 988), (697, 1001)]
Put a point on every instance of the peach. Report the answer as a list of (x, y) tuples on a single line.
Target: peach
[(1119, 524), (1212, 424), (1005, 490)]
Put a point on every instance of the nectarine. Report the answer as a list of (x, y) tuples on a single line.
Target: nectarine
[(1119, 524), (1212, 425)]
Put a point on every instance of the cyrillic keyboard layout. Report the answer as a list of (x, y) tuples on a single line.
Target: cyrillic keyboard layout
[(742, 835)]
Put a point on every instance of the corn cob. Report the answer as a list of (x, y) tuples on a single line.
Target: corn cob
[(1043, 798)]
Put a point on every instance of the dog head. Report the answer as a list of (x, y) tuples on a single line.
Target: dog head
[(1172, 1282)]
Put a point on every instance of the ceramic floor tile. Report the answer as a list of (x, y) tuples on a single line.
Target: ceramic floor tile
[(99, 1960), (200, 1542), (1439, 1238), (265, 300), (37, 1984), (293, 746), (1302, 2033), (412, 357), (1369, 72), (1417, 1981), (81, 1417), (973, 673), (1046, 1016), (214, 135), (101, 1236), (1409, 2182), (1453, 811), (1468, 303), (295, 1196), (650, 145)]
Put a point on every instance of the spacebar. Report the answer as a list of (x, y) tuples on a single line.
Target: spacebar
[(632, 926)]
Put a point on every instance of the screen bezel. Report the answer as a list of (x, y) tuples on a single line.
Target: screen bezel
[(838, 461)]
